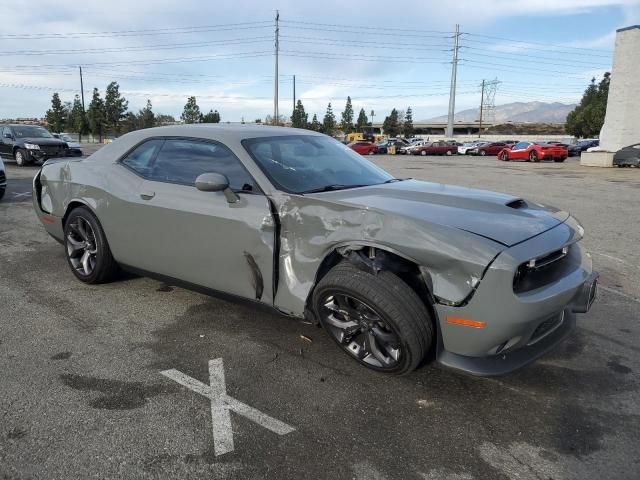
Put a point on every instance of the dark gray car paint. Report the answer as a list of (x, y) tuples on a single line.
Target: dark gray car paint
[(468, 242)]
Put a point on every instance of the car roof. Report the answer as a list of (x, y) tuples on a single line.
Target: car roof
[(222, 132)]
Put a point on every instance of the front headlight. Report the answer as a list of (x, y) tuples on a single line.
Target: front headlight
[(32, 146)]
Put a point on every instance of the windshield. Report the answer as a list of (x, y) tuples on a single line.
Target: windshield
[(302, 163), (28, 131)]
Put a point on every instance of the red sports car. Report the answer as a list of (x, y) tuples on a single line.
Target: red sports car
[(533, 152), (364, 148)]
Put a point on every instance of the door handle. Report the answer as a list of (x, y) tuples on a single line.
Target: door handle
[(147, 195)]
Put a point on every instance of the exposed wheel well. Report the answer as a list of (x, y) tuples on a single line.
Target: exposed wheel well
[(374, 259), (72, 206)]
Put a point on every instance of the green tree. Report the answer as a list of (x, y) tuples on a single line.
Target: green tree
[(407, 127), (315, 125), (162, 119), (299, 118), (329, 121), (587, 118), (211, 117), (347, 117), (146, 117), (115, 107), (131, 122), (391, 124), (191, 112), (362, 121), (57, 115), (96, 115), (77, 121)]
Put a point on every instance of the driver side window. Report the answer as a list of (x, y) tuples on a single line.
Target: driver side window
[(182, 161)]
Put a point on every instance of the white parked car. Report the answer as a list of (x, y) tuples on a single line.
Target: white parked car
[(465, 147)]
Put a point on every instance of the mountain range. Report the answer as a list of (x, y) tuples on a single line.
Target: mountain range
[(536, 112)]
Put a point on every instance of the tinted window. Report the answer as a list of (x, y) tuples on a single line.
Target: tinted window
[(182, 161), (299, 163), (30, 131), (520, 145), (6, 130), (140, 159)]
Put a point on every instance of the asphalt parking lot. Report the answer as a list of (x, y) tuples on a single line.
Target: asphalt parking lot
[(82, 394)]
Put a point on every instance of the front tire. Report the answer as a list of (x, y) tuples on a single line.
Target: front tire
[(533, 157), (482, 153), (376, 319), (87, 250), (504, 157), (423, 153), (22, 157)]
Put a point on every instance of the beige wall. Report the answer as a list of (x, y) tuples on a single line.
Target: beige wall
[(622, 121)]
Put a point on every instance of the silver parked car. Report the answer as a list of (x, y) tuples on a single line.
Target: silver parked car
[(394, 269)]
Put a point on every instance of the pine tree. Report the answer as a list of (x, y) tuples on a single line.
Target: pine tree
[(329, 121), (407, 127), (146, 117), (391, 124), (347, 117), (362, 121), (299, 118), (315, 125), (191, 112), (115, 106), (57, 115), (587, 118), (96, 115), (211, 117), (76, 117)]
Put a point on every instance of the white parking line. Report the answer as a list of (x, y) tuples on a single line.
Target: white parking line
[(221, 404)]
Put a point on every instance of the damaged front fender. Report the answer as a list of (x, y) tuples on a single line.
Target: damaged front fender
[(452, 261)]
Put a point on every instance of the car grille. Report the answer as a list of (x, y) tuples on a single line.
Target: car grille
[(52, 150), (544, 270)]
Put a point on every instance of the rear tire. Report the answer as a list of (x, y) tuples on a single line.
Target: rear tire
[(22, 157), (423, 153), (376, 319), (558, 160), (86, 247)]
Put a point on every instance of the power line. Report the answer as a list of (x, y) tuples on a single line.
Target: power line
[(564, 47), (367, 27), (518, 58), (135, 33), (166, 46)]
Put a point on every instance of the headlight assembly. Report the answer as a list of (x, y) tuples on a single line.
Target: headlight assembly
[(31, 146)]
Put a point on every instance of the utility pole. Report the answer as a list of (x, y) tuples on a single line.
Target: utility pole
[(372, 115), (83, 111), (277, 78), (294, 92), (481, 106), (452, 92)]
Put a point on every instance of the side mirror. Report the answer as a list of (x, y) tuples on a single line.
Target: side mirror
[(216, 182)]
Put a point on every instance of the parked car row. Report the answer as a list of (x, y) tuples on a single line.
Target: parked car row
[(27, 144)]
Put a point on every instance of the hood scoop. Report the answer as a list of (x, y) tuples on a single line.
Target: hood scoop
[(517, 204)]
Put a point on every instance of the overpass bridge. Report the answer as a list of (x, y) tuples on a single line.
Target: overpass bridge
[(439, 128)]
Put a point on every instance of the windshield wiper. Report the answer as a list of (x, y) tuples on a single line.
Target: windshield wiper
[(330, 188)]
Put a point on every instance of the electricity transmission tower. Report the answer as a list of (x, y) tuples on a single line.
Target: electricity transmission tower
[(488, 102)]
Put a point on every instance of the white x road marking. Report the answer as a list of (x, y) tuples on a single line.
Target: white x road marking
[(221, 403), (24, 194)]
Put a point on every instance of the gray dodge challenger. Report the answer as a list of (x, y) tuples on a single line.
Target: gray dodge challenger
[(397, 271)]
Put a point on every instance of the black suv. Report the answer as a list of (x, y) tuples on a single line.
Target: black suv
[(29, 143)]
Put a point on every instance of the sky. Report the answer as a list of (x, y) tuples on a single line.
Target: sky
[(383, 55)]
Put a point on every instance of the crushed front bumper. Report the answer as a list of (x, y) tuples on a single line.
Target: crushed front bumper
[(500, 329)]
